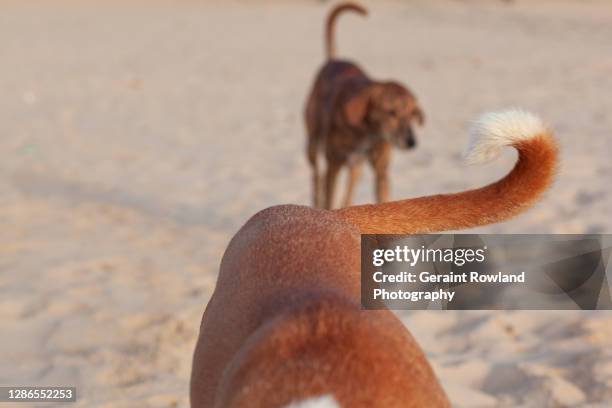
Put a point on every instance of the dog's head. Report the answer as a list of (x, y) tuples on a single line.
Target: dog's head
[(388, 110)]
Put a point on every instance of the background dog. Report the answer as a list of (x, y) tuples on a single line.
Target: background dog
[(351, 117), (284, 325)]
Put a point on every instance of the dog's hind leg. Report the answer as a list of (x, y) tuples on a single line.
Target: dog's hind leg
[(313, 155), (355, 170), (333, 168)]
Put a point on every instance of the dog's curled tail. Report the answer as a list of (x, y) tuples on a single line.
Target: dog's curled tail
[(330, 25), (499, 201)]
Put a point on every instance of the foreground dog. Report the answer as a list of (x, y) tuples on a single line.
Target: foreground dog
[(351, 117), (284, 327)]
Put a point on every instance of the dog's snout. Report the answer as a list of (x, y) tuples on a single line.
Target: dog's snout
[(409, 140)]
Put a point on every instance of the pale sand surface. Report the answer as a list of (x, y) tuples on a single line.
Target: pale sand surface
[(136, 140)]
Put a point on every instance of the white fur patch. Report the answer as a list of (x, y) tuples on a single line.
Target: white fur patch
[(324, 401), (494, 130)]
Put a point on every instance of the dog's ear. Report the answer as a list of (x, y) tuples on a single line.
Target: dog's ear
[(356, 108), (419, 115)]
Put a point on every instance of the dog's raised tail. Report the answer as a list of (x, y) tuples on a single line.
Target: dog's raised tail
[(499, 201), (330, 25)]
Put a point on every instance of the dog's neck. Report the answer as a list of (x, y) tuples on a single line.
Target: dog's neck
[(317, 351)]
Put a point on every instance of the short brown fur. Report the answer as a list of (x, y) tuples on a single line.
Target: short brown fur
[(285, 323)]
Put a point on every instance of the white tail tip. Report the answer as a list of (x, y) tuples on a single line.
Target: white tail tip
[(494, 130)]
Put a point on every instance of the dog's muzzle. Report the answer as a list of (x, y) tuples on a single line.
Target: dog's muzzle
[(409, 140), (410, 143), (404, 140)]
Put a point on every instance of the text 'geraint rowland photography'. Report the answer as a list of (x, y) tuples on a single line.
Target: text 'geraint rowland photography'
[(447, 271)]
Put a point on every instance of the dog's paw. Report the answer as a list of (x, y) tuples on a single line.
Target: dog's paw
[(494, 130)]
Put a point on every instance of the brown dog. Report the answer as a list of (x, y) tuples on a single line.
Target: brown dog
[(284, 326), (351, 117)]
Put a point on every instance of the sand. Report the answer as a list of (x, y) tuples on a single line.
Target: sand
[(138, 137)]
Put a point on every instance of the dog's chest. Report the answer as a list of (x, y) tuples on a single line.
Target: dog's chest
[(362, 148), (350, 148)]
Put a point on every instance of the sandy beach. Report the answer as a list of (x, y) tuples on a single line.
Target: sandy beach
[(138, 137)]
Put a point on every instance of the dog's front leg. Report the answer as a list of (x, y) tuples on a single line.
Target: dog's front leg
[(313, 154), (355, 170), (382, 186), (380, 159), (333, 168)]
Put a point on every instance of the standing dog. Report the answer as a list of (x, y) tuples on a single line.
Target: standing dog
[(350, 117), (284, 327)]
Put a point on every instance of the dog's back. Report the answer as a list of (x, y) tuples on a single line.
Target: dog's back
[(326, 347), (288, 324), (334, 77)]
